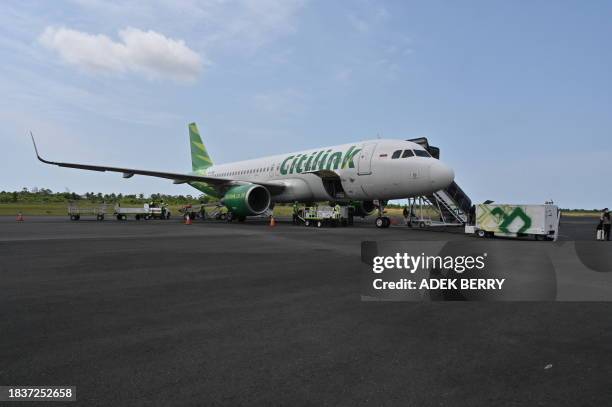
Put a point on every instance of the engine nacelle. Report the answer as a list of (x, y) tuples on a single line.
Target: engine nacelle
[(363, 208), (247, 200)]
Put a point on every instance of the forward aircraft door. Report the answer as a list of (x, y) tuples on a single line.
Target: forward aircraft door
[(364, 165)]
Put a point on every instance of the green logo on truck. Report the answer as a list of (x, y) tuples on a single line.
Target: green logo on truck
[(505, 219)]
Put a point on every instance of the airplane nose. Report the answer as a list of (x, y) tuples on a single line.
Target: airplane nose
[(441, 175)]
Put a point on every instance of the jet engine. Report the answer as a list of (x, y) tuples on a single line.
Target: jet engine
[(247, 200)]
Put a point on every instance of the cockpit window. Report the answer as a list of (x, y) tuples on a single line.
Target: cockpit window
[(407, 153), (396, 154), (422, 153)]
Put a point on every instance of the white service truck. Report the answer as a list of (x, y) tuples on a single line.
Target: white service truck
[(146, 212), (510, 220)]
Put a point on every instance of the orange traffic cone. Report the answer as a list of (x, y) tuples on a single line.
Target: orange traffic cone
[(272, 221), (20, 217), (187, 220)]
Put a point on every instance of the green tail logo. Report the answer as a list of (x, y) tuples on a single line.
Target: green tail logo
[(200, 160)]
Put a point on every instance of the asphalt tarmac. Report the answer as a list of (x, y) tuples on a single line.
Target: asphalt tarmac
[(161, 313)]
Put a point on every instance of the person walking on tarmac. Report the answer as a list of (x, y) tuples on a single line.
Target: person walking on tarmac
[(406, 214), (605, 221), (337, 212), (296, 212)]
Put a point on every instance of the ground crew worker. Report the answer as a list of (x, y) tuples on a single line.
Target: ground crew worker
[(406, 214), (605, 221), (337, 210), (296, 211)]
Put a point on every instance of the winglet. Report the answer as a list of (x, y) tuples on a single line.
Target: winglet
[(36, 150)]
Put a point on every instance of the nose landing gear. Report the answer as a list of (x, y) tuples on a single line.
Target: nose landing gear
[(381, 221)]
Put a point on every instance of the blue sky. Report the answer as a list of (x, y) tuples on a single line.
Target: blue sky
[(518, 95)]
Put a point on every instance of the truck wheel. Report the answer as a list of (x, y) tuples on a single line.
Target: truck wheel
[(481, 233), (306, 223), (72, 217), (123, 217), (422, 224), (319, 223), (379, 222)]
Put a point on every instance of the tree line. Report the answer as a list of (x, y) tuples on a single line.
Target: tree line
[(45, 195)]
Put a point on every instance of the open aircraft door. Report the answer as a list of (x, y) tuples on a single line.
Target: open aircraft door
[(364, 165)]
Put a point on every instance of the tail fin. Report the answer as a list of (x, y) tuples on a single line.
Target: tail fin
[(200, 160)]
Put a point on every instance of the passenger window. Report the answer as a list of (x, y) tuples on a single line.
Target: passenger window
[(407, 153), (421, 153), (396, 154)]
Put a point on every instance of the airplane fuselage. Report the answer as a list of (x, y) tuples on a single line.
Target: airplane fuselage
[(367, 170)]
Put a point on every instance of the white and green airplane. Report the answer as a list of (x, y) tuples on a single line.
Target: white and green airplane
[(363, 173)]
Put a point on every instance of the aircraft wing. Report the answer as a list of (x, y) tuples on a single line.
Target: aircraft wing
[(178, 178)]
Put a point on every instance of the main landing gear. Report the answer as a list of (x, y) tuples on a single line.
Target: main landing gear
[(381, 221)]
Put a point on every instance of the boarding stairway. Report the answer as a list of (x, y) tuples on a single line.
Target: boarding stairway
[(452, 203)]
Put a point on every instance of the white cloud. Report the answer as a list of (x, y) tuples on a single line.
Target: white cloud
[(137, 51)]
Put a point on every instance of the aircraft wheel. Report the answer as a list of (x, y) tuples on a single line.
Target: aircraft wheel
[(481, 233), (387, 222)]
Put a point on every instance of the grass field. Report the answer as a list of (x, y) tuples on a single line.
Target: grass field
[(59, 209)]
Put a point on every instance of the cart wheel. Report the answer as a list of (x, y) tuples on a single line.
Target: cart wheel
[(481, 233), (319, 223), (379, 222), (72, 217)]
